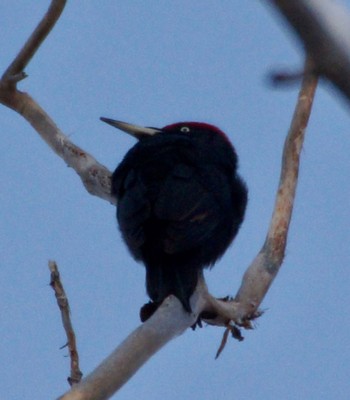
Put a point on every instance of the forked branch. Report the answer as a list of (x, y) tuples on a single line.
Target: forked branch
[(170, 319), (95, 176)]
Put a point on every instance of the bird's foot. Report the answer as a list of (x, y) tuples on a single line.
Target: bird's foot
[(147, 310)]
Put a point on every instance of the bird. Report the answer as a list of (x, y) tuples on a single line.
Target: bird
[(180, 203)]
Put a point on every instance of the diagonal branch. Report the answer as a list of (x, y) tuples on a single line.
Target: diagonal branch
[(95, 176), (259, 276), (35, 40), (168, 322)]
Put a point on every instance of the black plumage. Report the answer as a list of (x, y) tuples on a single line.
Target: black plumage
[(180, 203)]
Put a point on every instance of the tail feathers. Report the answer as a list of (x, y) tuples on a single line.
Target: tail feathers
[(179, 281)]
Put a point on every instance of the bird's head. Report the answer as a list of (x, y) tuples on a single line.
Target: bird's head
[(196, 129)]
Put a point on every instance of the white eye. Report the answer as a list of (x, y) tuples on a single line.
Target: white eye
[(185, 129)]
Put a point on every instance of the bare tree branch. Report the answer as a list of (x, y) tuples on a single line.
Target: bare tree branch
[(170, 320), (259, 276), (63, 304), (324, 29), (16, 68), (95, 176)]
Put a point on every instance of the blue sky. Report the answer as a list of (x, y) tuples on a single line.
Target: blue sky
[(155, 63)]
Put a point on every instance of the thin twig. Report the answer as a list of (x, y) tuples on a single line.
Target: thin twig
[(223, 342), (35, 40), (62, 301)]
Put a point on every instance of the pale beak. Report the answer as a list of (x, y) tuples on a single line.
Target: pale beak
[(137, 131)]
